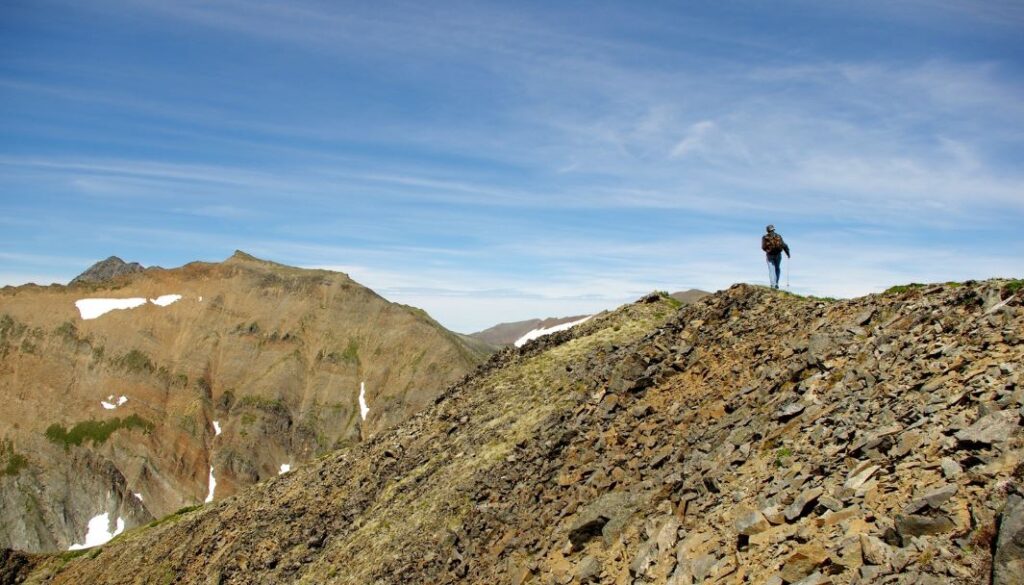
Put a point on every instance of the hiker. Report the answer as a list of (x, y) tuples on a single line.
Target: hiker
[(773, 246)]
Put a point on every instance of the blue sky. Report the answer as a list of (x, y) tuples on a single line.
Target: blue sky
[(500, 161)]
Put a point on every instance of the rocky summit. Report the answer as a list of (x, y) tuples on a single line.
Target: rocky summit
[(129, 398), (105, 270), (752, 437)]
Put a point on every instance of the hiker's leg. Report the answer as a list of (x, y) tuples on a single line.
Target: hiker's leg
[(773, 272)]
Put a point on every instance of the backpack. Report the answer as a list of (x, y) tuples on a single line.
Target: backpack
[(773, 243)]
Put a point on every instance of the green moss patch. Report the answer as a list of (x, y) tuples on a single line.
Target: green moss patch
[(351, 353), (902, 288), (135, 361), (97, 431), (11, 462), (173, 517)]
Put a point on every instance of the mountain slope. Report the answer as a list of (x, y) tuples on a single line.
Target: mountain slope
[(105, 270), (751, 437), (504, 334), (226, 373), (518, 332), (689, 296)]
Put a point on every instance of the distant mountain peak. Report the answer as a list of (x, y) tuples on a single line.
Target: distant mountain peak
[(689, 296), (240, 255), (504, 334), (108, 269)]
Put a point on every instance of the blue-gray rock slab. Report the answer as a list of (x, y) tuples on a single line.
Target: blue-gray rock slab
[(1008, 562)]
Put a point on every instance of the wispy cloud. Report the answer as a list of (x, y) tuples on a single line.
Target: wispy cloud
[(694, 139), (493, 161)]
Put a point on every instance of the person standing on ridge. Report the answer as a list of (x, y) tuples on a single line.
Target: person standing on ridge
[(773, 246)]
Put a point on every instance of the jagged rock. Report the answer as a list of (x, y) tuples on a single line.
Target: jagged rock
[(644, 559), (1008, 562), (830, 503), (789, 411), (991, 428), (585, 529), (668, 535), (603, 517), (803, 562), (774, 515), (916, 525), (922, 503), (802, 503), (815, 578), (588, 570), (951, 469), (702, 565), (875, 551), (938, 496), (860, 475), (864, 316), (751, 523)]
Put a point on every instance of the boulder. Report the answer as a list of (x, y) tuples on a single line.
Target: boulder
[(860, 476), (802, 503), (917, 525), (875, 551), (603, 517), (1008, 562), (991, 428), (588, 570), (803, 562), (751, 523)]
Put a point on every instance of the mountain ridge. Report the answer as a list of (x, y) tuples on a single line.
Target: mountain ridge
[(753, 436), (504, 334), (122, 394)]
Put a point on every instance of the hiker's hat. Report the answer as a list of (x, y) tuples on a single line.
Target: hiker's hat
[(770, 228)]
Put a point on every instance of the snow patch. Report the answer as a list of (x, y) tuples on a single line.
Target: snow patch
[(216, 427), (364, 409), (534, 334), (99, 532), (112, 405), (137, 496), (93, 308), (165, 300), (200, 299), (213, 486), (285, 468)]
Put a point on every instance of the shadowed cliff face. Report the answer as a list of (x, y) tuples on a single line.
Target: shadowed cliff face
[(751, 437), (243, 366)]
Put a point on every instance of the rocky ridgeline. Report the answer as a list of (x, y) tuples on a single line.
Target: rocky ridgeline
[(754, 437), (106, 270)]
